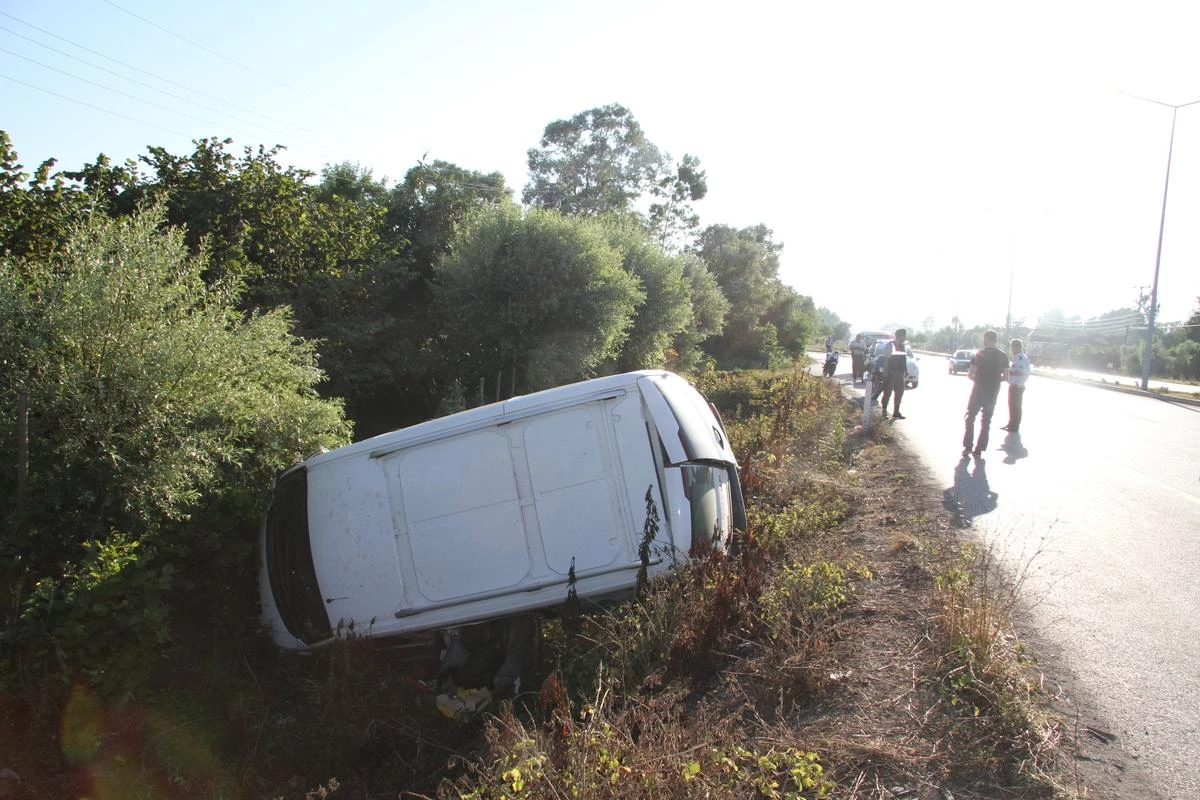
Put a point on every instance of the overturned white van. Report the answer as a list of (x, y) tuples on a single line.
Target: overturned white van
[(497, 511)]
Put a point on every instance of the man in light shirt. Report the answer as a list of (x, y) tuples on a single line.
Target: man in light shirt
[(1018, 374)]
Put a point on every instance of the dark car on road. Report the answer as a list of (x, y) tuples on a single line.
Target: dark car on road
[(960, 361)]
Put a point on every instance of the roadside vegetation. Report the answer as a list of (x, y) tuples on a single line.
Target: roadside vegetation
[(174, 331), (849, 646)]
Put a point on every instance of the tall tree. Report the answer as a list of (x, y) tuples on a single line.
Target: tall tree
[(709, 310), (382, 337), (666, 310), (36, 213), (1192, 331), (600, 161), (538, 298), (833, 325), (796, 318), (262, 222), (767, 321), (434, 199)]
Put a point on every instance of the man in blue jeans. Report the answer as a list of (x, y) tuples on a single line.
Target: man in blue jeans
[(989, 368)]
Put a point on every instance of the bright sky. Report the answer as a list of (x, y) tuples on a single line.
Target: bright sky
[(915, 159)]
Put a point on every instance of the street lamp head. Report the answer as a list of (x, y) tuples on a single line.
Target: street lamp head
[(1160, 102)]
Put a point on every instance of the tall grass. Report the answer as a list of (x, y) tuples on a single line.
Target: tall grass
[(987, 670)]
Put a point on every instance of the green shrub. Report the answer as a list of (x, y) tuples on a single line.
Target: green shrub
[(157, 416)]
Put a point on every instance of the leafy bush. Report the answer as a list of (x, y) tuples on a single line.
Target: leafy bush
[(781, 425), (157, 416)]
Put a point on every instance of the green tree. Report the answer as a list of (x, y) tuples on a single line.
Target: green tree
[(833, 325), (767, 323), (948, 339), (666, 311), (1182, 361), (709, 310), (35, 212), (352, 182), (433, 200), (381, 336), (115, 190), (158, 414), (329, 251), (600, 162), (537, 298), (1192, 329), (797, 320), (261, 222)]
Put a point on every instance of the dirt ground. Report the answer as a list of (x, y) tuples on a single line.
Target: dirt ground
[(891, 719)]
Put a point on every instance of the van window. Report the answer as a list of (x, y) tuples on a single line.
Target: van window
[(289, 563)]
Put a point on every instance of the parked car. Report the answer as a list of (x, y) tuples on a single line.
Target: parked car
[(961, 361), (912, 372), (498, 511)]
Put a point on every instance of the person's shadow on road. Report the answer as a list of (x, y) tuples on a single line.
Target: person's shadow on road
[(970, 495), (1013, 449)]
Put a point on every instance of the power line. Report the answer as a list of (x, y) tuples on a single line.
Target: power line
[(90, 105), (145, 85), (241, 65), (156, 77), (118, 91), (110, 112)]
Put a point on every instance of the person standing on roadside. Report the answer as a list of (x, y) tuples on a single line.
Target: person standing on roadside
[(858, 357), (895, 371), (989, 368), (1018, 373)]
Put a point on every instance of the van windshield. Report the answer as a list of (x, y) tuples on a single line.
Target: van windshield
[(709, 492), (289, 563)]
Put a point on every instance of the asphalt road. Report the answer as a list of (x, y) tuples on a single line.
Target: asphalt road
[(1097, 504)]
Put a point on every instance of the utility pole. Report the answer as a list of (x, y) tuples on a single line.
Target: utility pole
[(1148, 352)]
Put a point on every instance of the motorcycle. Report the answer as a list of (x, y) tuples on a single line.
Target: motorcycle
[(831, 362)]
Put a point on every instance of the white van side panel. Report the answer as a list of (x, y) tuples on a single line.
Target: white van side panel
[(462, 515), (573, 479)]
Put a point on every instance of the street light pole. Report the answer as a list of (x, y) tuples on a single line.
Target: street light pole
[(1008, 313), (1148, 352)]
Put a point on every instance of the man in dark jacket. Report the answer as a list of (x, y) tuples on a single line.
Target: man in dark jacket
[(895, 372), (989, 368)]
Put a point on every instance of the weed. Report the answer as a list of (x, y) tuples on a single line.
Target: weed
[(634, 749), (989, 672)]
